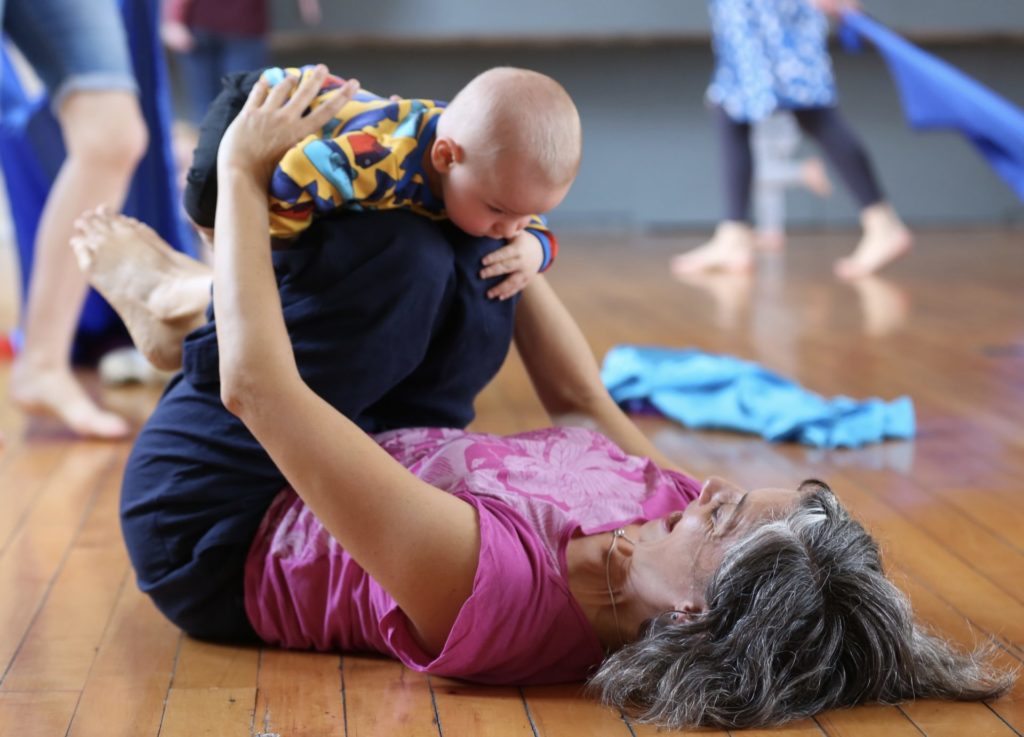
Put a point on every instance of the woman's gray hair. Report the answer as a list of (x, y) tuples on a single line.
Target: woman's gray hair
[(800, 618)]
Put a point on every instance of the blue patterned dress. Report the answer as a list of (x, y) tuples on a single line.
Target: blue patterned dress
[(769, 54)]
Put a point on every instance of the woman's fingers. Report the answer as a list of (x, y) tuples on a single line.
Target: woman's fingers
[(308, 89), (332, 104), (275, 120), (280, 92), (257, 95)]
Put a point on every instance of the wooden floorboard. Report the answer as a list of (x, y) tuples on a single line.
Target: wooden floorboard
[(372, 681), (83, 652), (487, 711), (299, 693)]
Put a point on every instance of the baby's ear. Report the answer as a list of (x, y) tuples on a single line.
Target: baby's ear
[(444, 154)]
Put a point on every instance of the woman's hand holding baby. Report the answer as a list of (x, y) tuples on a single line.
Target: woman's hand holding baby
[(274, 119), (521, 258)]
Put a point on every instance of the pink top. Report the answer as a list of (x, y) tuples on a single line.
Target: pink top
[(520, 625)]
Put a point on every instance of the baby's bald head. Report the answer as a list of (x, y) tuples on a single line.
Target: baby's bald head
[(508, 116)]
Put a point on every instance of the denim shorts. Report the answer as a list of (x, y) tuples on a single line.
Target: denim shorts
[(72, 45)]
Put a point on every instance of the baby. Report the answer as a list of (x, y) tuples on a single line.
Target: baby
[(506, 149)]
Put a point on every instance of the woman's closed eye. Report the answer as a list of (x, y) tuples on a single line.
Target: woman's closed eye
[(719, 518)]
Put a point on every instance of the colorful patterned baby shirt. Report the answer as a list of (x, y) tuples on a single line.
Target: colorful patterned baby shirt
[(369, 157)]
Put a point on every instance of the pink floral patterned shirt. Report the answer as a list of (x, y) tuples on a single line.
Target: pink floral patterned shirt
[(533, 492)]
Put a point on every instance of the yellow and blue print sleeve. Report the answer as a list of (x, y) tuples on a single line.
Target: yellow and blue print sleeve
[(538, 227), (368, 157)]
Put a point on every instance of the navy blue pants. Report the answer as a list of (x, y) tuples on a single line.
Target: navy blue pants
[(390, 324), (826, 126)]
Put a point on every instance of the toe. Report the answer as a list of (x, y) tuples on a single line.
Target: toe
[(101, 425), (83, 253), (682, 265)]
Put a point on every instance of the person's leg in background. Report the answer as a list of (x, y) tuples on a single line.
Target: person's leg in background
[(731, 248), (212, 56), (243, 54), (777, 168), (770, 214), (885, 237), (80, 51), (201, 70)]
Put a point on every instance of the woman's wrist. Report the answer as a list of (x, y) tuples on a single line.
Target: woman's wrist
[(247, 175)]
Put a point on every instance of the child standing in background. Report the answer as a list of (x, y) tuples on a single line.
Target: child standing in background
[(771, 55)]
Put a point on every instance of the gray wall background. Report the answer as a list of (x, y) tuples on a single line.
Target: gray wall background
[(638, 71)]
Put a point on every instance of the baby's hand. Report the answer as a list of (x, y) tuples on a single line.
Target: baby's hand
[(836, 8), (520, 258)]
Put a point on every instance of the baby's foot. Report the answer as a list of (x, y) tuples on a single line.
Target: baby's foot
[(160, 294), (771, 240), (729, 250), (885, 239), (56, 393), (814, 176)]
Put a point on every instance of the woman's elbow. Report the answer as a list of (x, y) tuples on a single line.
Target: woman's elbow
[(234, 398), (238, 392), (250, 391)]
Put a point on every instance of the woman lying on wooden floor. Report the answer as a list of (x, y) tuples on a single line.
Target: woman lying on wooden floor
[(552, 555)]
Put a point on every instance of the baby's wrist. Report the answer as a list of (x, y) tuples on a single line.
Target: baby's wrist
[(545, 248)]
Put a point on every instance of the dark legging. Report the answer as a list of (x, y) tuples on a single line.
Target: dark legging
[(826, 126)]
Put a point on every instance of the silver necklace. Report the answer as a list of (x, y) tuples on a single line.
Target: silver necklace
[(616, 534)]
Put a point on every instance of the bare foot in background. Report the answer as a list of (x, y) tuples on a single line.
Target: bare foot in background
[(814, 176), (159, 293), (53, 391), (771, 240), (885, 240), (731, 250)]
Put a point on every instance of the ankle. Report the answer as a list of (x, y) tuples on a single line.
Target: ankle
[(31, 364), (880, 217), (735, 234)]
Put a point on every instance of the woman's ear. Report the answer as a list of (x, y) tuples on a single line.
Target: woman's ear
[(692, 607)]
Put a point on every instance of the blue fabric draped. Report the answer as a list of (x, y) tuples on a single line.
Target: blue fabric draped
[(936, 95), (702, 390), (32, 150)]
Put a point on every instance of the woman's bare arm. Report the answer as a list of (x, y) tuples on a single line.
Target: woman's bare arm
[(419, 543), (565, 374)]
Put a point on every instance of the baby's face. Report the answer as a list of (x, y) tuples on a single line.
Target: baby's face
[(497, 203)]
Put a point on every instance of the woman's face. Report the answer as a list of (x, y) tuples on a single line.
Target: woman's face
[(675, 555)]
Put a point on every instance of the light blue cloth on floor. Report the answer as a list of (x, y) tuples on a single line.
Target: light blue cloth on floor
[(702, 390), (936, 95)]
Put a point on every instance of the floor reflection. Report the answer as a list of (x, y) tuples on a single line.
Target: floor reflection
[(760, 300)]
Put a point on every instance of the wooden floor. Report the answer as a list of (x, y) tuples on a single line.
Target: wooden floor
[(82, 652)]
